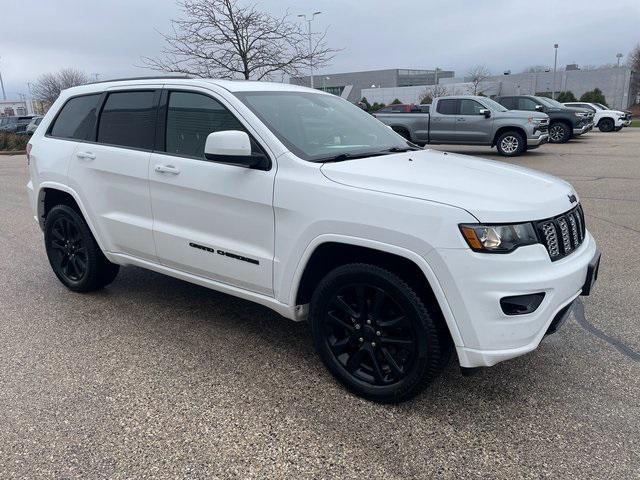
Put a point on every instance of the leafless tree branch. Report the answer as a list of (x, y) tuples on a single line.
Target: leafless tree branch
[(49, 85)]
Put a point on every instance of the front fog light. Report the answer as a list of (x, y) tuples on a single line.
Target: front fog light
[(498, 238)]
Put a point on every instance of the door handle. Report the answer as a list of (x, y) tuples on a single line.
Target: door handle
[(167, 169), (86, 155)]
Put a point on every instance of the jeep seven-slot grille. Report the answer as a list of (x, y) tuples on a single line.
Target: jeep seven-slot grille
[(563, 234)]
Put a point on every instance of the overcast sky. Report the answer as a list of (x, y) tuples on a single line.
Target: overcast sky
[(110, 36)]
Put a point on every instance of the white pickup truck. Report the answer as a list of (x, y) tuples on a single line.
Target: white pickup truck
[(300, 201)]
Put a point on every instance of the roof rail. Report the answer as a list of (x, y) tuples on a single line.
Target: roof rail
[(152, 77)]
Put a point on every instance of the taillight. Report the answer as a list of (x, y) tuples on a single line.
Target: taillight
[(28, 152)]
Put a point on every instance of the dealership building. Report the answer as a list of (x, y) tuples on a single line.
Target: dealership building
[(619, 85), (350, 85)]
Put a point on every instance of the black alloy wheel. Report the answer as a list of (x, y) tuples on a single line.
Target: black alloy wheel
[(374, 333), (68, 249), (559, 133), (606, 125), (73, 253)]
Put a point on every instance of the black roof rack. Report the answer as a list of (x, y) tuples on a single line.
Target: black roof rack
[(152, 77)]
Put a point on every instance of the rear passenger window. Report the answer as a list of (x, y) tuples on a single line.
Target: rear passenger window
[(191, 117), (470, 107), (448, 106), (77, 118), (128, 120), (509, 103)]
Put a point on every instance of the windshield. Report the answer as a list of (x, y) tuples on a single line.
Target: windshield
[(603, 107), (318, 127), (547, 102), (493, 105), (555, 103)]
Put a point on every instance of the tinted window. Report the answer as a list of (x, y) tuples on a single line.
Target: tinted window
[(128, 119), (191, 117), (526, 104), (77, 118), (470, 107), (448, 106), (508, 102)]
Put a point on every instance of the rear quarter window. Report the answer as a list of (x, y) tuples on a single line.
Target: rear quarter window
[(77, 118)]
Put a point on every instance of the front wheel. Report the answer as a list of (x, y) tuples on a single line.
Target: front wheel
[(374, 334), (559, 133), (606, 125), (73, 253), (511, 144)]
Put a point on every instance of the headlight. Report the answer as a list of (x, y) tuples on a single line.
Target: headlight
[(580, 114), (535, 120), (498, 238)]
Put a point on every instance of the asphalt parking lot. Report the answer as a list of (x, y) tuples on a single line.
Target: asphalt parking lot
[(157, 378)]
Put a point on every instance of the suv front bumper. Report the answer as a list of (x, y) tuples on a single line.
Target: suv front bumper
[(474, 283), (583, 129), (537, 141)]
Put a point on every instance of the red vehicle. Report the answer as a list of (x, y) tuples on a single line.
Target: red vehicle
[(404, 108)]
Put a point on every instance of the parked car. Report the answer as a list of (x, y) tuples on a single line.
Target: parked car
[(565, 122), (15, 124), (605, 119), (35, 121), (628, 114), (298, 200), (471, 120)]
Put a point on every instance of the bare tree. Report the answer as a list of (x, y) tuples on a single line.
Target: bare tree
[(477, 75), (221, 38), (49, 85), (434, 91), (633, 59)]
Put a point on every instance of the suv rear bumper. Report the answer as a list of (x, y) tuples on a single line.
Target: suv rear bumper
[(474, 283)]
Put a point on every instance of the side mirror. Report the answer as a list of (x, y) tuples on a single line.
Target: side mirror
[(539, 108), (233, 147), (486, 112)]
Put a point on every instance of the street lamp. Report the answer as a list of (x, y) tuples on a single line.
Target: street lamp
[(309, 20), (619, 56), (4, 94), (555, 65)]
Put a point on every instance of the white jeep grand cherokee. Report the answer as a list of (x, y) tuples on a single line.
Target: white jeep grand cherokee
[(300, 201)]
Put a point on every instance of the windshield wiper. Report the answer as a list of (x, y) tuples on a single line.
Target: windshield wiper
[(349, 156), (401, 149)]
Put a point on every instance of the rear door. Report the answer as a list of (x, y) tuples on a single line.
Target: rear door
[(211, 219), (472, 126), (442, 124), (111, 170)]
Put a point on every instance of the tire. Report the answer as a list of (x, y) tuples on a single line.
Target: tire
[(402, 132), (375, 335), (606, 125), (559, 133), (511, 144), (73, 253)]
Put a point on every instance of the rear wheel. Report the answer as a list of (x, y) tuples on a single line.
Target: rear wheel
[(403, 132), (511, 144), (73, 253), (374, 334), (559, 133), (606, 125)]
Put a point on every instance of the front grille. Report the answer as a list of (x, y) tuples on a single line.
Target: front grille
[(543, 126), (563, 234)]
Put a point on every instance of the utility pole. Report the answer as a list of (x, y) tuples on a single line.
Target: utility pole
[(33, 106), (555, 65), (309, 20), (619, 56), (4, 94)]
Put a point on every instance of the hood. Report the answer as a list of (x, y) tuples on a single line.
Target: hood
[(491, 191)]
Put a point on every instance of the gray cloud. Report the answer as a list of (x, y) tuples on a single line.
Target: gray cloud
[(109, 37)]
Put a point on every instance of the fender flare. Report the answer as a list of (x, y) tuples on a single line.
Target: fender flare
[(76, 197), (420, 261)]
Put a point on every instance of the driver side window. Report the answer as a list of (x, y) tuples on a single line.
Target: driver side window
[(526, 104)]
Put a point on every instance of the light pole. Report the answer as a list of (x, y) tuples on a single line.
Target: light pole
[(555, 65), (4, 94), (33, 107), (309, 20), (618, 56)]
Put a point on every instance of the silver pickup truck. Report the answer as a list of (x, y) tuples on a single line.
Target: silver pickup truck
[(470, 120)]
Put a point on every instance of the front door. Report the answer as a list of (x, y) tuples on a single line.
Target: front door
[(211, 219), (472, 126)]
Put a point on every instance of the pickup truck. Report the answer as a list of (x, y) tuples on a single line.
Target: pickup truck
[(470, 120), (565, 122), (606, 119)]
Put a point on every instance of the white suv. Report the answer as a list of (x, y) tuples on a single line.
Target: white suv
[(300, 201), (605, 119)]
